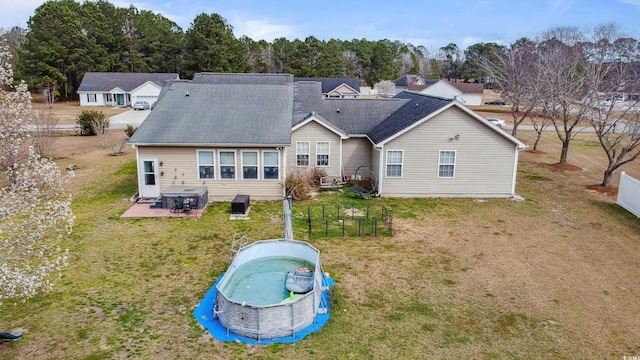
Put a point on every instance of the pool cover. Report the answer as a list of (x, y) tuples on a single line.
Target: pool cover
[(204, 315)]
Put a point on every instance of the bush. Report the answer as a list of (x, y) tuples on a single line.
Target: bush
[(297, 185), (315, 175), (92, 122), (130, 130)]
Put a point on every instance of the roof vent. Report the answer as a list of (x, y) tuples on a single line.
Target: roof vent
[(416, 103), (338, 110), (187, 94)]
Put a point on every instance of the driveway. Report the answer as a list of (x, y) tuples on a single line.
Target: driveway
[(131, 117)]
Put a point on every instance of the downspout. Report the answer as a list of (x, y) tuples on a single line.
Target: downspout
[(135, 147), (284, 172), (380, 166), (341, 168), (515, 171)]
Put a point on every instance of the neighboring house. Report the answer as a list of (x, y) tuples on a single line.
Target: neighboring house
[(121, 89), (336, 88), (242, 134), (466, 93), (412, 83)]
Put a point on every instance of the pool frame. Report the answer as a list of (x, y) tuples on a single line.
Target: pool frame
[(276, 320)]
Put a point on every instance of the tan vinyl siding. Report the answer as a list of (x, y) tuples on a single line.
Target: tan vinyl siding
[(314, 132), (484, 159), (355, 152), (179, 165)]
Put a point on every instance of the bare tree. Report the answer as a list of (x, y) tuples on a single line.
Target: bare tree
[(564, 94), (385, 88), (540, 122), (268, 58), (514, 73), (612, 66)]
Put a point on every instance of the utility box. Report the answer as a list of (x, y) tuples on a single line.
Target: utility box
[(240, 205)]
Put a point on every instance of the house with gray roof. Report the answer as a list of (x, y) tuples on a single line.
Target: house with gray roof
[(121, 89), (242, 134), (336, 88)]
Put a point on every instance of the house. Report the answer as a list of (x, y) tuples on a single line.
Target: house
[(243, 133), (121, 89), (336, 88), (412, 83), (466, 93)]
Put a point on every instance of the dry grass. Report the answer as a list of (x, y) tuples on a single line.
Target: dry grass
[(66, 112), (554, 276)]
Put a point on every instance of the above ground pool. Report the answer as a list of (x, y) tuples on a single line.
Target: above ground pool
[(251, 297)]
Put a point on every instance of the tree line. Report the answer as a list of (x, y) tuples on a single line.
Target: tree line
[(65, 39)]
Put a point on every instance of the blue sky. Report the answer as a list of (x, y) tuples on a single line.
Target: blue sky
[(430, 23)]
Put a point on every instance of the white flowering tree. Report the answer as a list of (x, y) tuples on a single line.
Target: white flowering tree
[(35, 211)]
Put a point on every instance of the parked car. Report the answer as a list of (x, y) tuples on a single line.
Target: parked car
[(141, 105), (497, 122), (495, 102)]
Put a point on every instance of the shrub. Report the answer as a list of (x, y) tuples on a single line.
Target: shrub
[(315, 174), (130, 130), (297, 185), (92, 122)]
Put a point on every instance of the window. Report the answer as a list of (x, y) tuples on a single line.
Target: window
[(205, 164), (227, 164), (447, 164), (149, 173), (91, 98), (394, 163), (322, 153), (249, 164), (302, 153), (109, 97), (270, 160)]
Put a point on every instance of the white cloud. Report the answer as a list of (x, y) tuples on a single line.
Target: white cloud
[(262, 30)]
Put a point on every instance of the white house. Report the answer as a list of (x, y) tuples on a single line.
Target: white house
[(121, 89), (468, 94)]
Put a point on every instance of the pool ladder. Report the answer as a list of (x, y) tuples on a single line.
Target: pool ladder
[(238, 242)]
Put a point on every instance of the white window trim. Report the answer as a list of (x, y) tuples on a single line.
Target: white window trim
[(455, 159), (328, 153), (263, 164), (235, 164), (386, 163), (257, 166), (308, 153), (198, 163), (94, 96)]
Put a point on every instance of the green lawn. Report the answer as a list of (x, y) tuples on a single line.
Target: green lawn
[(459, 278)]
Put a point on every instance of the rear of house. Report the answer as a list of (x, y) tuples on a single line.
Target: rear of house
[(452, 154), (241, 134)]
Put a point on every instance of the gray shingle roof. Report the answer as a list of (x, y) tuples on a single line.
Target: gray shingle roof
[(416, 108), (107, 81), (219, 114), (252, 78), (352, 116), (329, 84)]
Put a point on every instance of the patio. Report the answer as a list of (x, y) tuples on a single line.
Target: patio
[(141, 210)]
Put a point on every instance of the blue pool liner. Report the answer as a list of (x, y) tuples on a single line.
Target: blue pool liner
[(204, 315)]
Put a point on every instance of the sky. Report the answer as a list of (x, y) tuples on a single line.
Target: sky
[(432, 24)]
